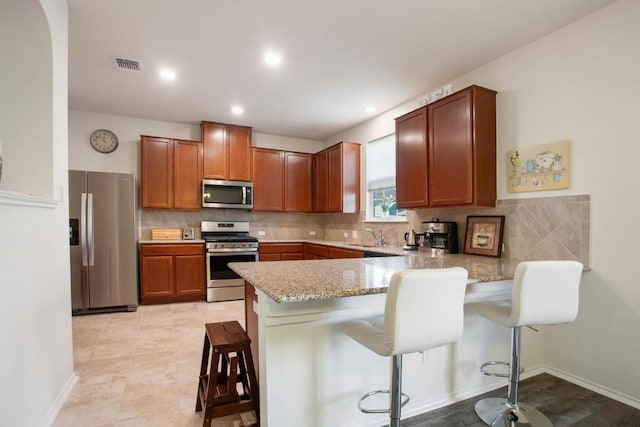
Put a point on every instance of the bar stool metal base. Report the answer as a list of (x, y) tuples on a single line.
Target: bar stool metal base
[(496, 412)]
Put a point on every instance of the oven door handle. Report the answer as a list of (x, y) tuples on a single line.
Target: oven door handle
[(227, 252)]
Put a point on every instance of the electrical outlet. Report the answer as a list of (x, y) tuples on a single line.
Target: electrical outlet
[(312, 233), (354, 234), (261, 233), (346, 235)]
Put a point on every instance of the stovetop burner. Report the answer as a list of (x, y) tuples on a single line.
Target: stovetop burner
[(228, 235)]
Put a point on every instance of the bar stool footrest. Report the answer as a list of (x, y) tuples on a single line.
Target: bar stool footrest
[(405, 400), (484, 369)]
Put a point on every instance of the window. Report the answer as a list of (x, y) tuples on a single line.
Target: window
[(381, 181)]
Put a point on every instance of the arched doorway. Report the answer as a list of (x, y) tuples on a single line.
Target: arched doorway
[(26, 88)]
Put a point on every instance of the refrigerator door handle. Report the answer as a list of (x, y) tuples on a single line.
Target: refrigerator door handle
[(83, 228), (90, 242)]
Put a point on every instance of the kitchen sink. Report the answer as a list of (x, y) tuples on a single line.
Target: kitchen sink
[(371, 254)]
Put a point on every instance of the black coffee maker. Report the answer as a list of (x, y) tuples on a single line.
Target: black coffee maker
[(439, 237)]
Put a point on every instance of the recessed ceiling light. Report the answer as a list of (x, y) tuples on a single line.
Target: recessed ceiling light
[(168, 74), (272, 58), (237, 109), (369, 109)]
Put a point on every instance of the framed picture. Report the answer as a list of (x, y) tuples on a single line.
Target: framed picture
[(484, 235), (542, 167)]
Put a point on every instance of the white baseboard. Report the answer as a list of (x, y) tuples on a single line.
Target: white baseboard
[(530, 372), (470, 392), (589, 385), (467, 393), (55, 408)]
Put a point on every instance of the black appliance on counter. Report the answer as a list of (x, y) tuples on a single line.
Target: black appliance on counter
[(227, 241), (439, 237)]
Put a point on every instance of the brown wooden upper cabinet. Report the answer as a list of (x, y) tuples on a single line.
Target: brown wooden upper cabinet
[(297, 179), (171, 173), (268, 180), (227, 151), (281, 180), (446, 152), (336, 179), (411, 160)]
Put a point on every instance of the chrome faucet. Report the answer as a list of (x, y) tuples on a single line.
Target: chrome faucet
[(379, 237)]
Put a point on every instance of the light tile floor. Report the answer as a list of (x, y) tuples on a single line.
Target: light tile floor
[(141, 368)]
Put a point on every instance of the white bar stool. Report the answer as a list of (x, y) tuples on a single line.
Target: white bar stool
[(423, 310), (544, 292)]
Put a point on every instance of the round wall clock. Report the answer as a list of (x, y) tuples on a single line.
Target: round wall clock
[(104, 141)]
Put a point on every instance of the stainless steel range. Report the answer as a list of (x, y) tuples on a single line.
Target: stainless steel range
[(227, 241)]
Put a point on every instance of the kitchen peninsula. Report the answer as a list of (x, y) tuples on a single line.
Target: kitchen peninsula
[(310, 374)]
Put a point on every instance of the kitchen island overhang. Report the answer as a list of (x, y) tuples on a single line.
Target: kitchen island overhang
[(298, 281), (310, 374)]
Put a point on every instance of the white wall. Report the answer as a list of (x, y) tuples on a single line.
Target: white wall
[(25, 91), (265, 140), (36, 361), (580, 83), (126, 158), (129, 129)]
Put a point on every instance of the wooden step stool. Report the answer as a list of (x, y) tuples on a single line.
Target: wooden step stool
[(229, 369)]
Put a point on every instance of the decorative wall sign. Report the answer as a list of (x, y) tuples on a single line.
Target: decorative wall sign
[(541, 167), (484, 235)]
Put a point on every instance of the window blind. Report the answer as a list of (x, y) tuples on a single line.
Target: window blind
[(381, 163)]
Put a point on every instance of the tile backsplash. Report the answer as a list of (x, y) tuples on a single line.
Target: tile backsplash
[(535, 228)]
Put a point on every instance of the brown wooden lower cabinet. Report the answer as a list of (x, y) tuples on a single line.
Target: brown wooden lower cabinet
[(281, 251), (339, 253), (172, 273), (308, 251), (315, 251)]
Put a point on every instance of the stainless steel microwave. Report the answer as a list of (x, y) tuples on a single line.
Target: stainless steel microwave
[(227, 194)]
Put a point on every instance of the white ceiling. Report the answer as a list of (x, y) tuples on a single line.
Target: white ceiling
[(338, 55)]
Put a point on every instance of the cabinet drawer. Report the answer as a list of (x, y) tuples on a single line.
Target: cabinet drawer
[(280, 248), (172, 249), (270, 257), (338, 253)]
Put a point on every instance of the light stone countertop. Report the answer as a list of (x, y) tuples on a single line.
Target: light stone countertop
[(297, 281)]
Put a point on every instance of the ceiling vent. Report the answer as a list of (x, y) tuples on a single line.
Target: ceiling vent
[(127, 65)]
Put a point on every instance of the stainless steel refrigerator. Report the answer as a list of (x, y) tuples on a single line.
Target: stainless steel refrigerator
[(102, 240)]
